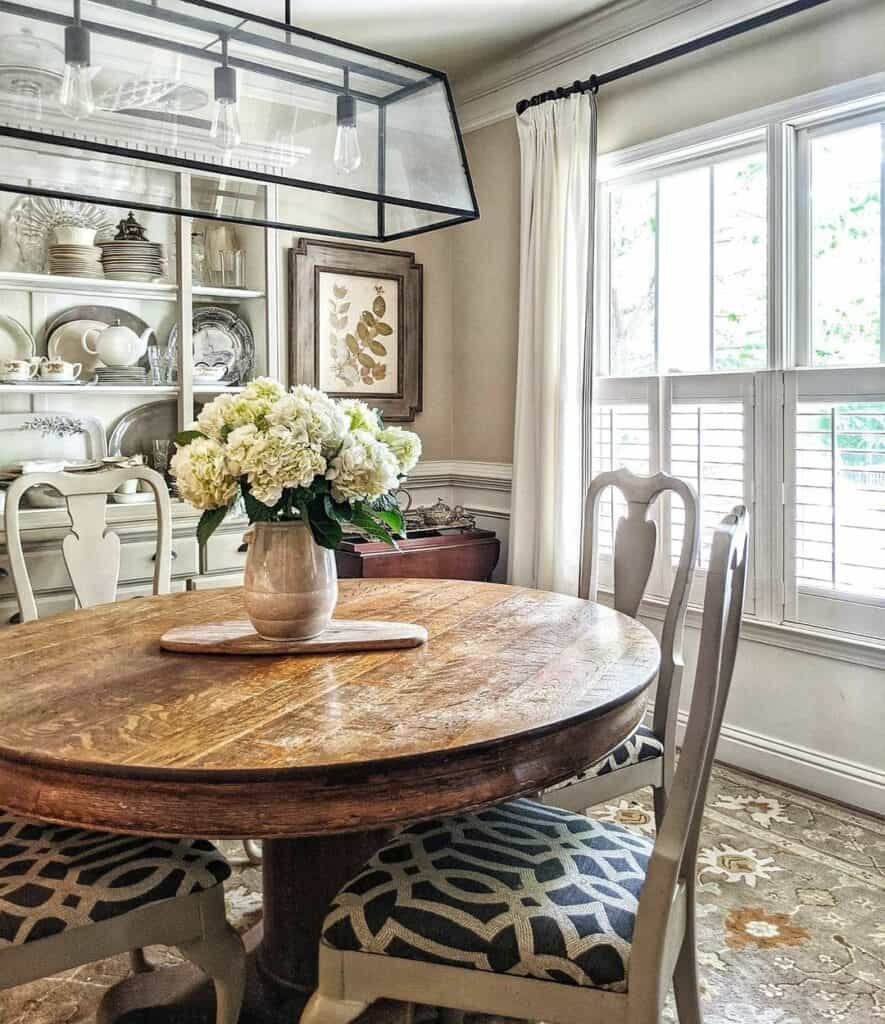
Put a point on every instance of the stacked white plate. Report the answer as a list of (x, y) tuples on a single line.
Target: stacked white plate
[(121, 375), (73, 260), (126, 260)]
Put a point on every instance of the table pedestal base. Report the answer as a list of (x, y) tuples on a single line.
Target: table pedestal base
[(300, 879)]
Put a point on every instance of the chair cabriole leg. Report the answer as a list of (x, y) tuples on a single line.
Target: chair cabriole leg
[(322, 1009), (222, 956)]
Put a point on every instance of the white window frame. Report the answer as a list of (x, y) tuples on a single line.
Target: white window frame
[(805, 605), (779, 613)]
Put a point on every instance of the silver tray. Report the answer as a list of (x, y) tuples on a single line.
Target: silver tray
[(220, 338), (136, 429)]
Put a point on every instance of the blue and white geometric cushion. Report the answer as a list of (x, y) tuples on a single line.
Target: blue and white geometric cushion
[(521, 889), (642, 745), (54, 878)]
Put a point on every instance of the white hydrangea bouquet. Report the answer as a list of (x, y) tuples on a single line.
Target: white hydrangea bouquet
[(295, 456)]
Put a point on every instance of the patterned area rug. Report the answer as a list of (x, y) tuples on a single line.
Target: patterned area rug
[(791, 919)]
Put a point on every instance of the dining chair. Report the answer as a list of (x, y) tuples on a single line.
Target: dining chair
[(648, 756), (70, 896), (91, 552), (532, 911)]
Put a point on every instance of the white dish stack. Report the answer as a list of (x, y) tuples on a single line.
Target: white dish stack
[(132, 260), (74, 253), (75, 260)]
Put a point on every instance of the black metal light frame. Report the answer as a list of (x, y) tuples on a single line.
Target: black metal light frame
[(407, 87)]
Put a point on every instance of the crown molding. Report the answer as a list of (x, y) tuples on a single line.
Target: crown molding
[(625, 31), (577, 39)]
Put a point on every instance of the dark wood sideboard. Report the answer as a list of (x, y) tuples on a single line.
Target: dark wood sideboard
[(463, 555)]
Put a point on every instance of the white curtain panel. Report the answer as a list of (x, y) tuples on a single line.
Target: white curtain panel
[(551, 444)]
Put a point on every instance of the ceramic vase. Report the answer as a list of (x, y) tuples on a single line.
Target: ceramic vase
[(291, 583)]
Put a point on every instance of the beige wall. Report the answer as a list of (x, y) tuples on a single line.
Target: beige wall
[(434, 251), (838, 42), (485, 264)]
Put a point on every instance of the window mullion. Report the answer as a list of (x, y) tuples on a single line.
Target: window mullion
[(657, 276), (712, 270), (882, 247)]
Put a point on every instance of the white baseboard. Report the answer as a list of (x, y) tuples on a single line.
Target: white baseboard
[(846, 781)]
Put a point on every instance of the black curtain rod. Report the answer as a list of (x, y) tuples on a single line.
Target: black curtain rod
[(593, 83)]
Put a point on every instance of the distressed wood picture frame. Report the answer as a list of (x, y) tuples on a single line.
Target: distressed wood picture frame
[(357, 323)]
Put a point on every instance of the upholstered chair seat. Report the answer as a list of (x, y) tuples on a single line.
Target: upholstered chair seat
[(641, 746), (54, 878), (521, 888)]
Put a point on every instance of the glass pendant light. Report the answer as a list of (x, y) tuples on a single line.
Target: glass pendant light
[(226, 119), (75, 95), (347, 156)]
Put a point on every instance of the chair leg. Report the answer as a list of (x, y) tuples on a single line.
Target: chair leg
[(659, 794), (450, 1016), (222, 956), (323, 1009), (253, 850), (686, 984), (139, 963)]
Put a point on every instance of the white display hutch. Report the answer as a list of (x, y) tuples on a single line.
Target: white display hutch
[(34, 299)]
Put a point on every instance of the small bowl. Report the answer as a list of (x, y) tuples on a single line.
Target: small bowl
[(71, 234)]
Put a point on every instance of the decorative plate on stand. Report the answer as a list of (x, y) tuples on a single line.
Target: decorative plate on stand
[(221, 338)]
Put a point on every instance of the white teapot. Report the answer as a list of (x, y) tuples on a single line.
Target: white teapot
[(117, 345)]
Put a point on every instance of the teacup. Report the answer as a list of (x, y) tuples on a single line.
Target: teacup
[(37, 361), (58, 369), (19, 369)]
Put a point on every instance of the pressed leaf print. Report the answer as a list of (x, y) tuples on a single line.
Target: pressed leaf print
[(361, 327)]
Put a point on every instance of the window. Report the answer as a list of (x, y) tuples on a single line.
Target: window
[(741, 288), (843, 222), (688, 270)]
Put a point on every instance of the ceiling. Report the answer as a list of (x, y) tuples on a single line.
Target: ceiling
[(456, 36)]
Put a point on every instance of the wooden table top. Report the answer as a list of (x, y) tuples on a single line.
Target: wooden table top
[(517, 687)]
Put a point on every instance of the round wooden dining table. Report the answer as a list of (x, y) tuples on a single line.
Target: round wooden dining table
[(321, 756)]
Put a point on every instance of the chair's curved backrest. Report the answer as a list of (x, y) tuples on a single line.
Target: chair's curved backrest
[(91, 552), (673, 861), (635, 543)]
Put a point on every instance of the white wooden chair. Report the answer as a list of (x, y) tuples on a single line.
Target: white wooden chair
[(648, 757), (71, 896), (91, 551), (530, 911)]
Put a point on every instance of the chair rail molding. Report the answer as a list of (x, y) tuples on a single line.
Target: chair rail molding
[(624, 31)]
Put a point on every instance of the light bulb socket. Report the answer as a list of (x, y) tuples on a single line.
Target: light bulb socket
[(226, 84), (77, 46), (346, 111)]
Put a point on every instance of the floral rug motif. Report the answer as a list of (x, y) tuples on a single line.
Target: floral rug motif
[(791, 914)]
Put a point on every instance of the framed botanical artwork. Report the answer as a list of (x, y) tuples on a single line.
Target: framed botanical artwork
[(357, 323)]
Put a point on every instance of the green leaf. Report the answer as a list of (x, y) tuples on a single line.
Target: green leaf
[(383, 328), (392, 520), (365, 520), (184, 437), (387, 502), (257, 511), (337, 510), (379, 306), (209, 522), (326, 531)]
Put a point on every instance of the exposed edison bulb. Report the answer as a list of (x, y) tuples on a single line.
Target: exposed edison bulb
[(347, 156), (75, 95), (226, 124)]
